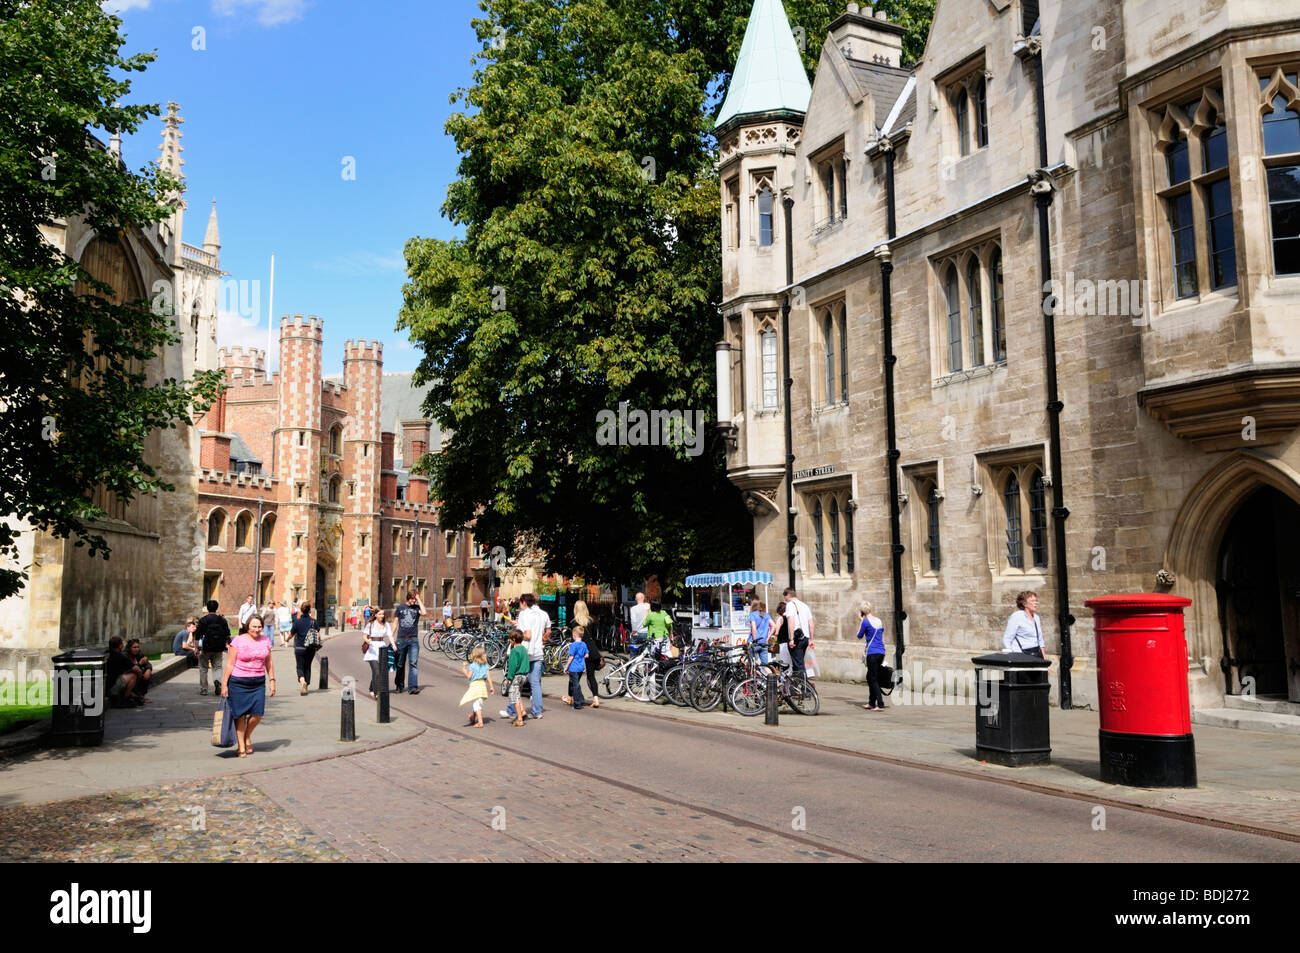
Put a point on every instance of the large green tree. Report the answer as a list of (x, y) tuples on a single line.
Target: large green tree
[(76, 406), (589, 276)]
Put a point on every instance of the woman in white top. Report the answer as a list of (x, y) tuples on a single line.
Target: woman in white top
[(1025, 627), (283, 620), (378, 632)]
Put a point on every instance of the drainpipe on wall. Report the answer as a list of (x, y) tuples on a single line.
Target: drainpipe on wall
[(790, 537), (891, 429), (1041, 188)]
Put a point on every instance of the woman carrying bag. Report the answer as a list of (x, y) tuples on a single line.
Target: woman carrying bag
[(378, 633), (873, 630), (245, 689), (306, 643)]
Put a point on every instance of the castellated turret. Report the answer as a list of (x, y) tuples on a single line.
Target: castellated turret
[(241, 361)]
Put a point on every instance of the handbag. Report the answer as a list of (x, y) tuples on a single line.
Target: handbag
[(886, 680), (223, 727), (312, 639)]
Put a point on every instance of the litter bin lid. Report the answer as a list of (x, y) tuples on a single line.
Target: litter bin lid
[(1010, 660), (79, 656)]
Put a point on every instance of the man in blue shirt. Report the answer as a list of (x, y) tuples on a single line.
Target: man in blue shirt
[(184, 643), (408, 641)]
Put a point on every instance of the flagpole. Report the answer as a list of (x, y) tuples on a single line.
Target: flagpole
[(270, 321)]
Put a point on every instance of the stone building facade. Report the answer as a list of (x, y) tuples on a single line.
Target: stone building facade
[(1159, 186), (145, 589), (305, 492)]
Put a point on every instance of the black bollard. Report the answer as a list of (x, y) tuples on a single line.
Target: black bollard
[(324, 672), (381, 702), (770, 716), (348, 719)]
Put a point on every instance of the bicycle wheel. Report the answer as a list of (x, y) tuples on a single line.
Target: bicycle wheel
[(673, 687), (641, 683), (750, 696), (706, 689), (431, 641), (614, 683), (803, 696)]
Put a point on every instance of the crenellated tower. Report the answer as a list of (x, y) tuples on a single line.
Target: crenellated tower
[(242, 362), (363, 366), (298, 453)]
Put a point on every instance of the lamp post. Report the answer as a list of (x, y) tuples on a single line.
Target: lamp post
[(257, 554)]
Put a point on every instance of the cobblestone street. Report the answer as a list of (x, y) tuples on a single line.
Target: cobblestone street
[(223, 819)]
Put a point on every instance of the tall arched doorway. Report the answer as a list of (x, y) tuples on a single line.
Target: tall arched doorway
[(1233, 551), (1258, 588)]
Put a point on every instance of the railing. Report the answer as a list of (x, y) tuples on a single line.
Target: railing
[(190, 253)]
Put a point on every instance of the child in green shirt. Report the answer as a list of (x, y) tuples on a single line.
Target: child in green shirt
[(516, 674)]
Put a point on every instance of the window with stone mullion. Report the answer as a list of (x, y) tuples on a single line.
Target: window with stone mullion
[(817, 538), (953, 301), (1011, 501), (1281, 135), (771, 376), (1038, 521), (834, 514), (828, 336), (932, 527), (998, 297), (975, 311)]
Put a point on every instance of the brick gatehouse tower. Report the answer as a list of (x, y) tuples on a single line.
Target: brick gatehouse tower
[(305, 490)]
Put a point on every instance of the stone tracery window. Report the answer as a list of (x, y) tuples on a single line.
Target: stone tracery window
[(771, 366), (1192, 144), (764, 199), (968, 287), (1280, 128), (830, 527)]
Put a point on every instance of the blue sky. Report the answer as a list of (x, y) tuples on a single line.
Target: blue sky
[(282, 93)]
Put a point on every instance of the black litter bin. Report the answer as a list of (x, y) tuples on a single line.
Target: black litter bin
[(79, 698), (1011, 722)]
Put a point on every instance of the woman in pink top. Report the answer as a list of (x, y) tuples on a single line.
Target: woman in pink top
[(249, 666)]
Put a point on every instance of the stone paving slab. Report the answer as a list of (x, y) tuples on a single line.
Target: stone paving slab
[(169, 740)]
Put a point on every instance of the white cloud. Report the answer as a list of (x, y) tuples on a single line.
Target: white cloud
[(117, 7), (233, 330), (362, 263), (269, 12)]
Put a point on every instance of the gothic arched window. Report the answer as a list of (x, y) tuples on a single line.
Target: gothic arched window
[(976, 312), (1011, 497), (765, 204), (1037, 520), (817, 535), (953, 301)]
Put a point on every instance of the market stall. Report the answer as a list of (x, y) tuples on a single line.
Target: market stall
[(733, 590)]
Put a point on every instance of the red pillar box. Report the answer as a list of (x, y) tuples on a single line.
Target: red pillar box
[(1146, 719)]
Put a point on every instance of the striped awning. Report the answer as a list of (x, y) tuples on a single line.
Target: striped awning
[(706, 579)]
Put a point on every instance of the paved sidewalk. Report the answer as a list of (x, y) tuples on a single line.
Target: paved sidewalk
[(169, 740), (1245, 777)]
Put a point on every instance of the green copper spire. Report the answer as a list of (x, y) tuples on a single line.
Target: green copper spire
[(769, 74)]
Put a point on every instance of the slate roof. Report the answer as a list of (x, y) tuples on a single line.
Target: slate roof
[(885, 83), (240, 450)]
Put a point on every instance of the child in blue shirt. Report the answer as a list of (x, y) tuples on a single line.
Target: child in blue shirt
[(577, 665)]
